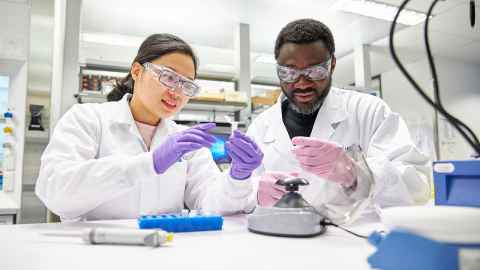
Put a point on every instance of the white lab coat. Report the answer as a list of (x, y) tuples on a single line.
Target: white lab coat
[(347, 118), (97, 166)]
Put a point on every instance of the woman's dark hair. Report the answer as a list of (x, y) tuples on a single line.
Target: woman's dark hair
[(152, 48)]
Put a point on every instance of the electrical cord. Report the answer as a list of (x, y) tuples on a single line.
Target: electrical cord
[(436, 85), (421, 92), (325, 222), (459, 126), (472, 13), (328, 223)]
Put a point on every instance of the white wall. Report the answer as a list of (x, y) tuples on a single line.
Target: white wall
[(71, 54), (459, 84), (453, 145)]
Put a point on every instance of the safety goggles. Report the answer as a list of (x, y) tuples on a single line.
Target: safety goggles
[(314, 73), (173, 80)]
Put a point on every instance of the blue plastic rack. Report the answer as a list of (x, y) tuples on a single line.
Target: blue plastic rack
[(181, 223)]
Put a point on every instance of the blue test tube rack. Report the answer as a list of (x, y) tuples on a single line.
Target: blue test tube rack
[(181, 223)]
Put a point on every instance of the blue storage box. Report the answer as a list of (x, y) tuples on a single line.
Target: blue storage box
[(181, 223), (457, 182)]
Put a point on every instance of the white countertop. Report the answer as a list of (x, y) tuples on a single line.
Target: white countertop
[(24, 247)]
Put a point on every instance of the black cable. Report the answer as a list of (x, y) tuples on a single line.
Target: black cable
[(410, 79), (328, 223), (435, 77), (451, 119), (472, 13), (454, 121), (471, 141), (436, 85)]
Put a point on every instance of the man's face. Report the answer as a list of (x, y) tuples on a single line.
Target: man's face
[(305, 95)]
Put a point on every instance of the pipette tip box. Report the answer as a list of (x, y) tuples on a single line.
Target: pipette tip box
[(181, 223)]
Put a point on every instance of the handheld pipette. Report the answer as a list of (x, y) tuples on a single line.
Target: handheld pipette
[(152, 238)]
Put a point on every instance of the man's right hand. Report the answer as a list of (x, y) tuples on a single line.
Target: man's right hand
[(268, 192)]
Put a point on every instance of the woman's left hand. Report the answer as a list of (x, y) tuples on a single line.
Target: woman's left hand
[(246, 155), (180, 143)]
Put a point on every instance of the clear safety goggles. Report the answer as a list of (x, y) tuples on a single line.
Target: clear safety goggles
[(173, 80), (314, 73)]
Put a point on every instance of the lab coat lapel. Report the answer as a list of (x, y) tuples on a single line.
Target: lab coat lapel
[(121, 117), (332, 112), (277, 134)]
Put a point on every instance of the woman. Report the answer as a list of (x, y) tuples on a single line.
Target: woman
[(126, 158)]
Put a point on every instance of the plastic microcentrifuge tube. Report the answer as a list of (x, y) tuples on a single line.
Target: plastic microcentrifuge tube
[(233, 124)]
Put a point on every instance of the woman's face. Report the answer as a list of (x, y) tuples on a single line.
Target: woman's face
[(156, 98)]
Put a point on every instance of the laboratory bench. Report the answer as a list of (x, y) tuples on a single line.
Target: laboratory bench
[(25, 247)]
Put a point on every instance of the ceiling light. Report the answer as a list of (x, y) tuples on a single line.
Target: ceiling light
[(379, 11)]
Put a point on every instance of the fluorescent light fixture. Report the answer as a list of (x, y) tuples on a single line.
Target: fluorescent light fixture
[(265, 59), (379, 11), (112, 39)]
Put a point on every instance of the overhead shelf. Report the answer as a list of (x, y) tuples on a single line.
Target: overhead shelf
[(219, 124), (197, 105), (90, 97), (225, 106)]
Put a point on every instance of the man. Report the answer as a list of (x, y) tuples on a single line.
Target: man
[(306, 131)]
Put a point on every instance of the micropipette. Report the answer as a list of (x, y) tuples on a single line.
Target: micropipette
[(152, 238)]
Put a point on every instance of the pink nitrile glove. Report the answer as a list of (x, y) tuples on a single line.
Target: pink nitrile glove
[(325, 159), (268, 192)]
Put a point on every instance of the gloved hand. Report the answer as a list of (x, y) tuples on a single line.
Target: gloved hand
[(268, 192), (246, 155), (324, 159), (180, 143), (406, 250)]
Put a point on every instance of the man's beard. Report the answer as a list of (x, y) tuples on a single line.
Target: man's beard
[(313, 105)]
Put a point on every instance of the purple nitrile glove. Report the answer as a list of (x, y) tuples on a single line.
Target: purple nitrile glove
[(246, 155), (180, 143)]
